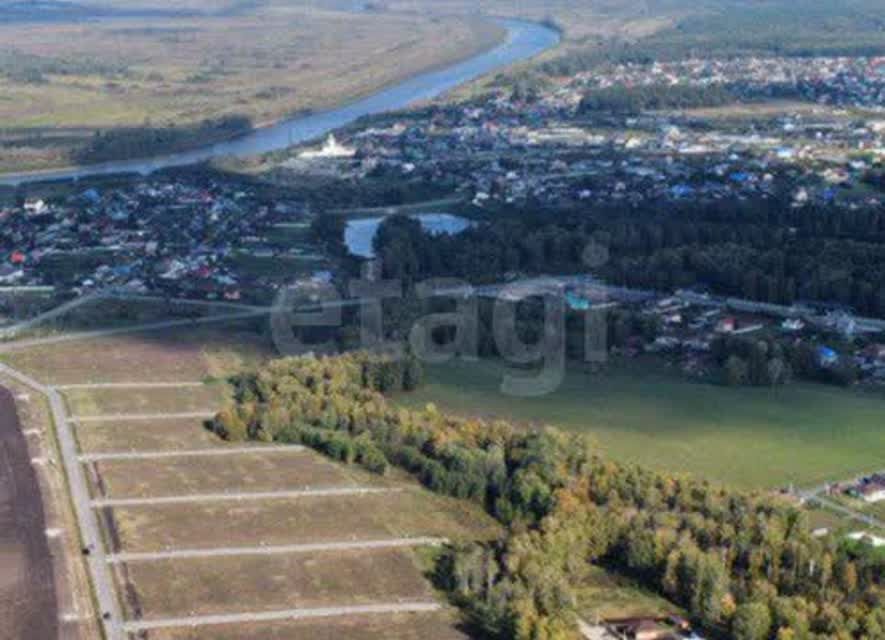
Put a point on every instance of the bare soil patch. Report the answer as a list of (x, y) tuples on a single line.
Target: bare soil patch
[(440, 625), (256, 583), (179, 355), (103, 401), (28, 607), (146, 435), (304, 520), (268, 471)]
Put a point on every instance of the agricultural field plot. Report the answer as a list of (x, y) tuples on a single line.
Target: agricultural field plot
[(256, 560), (641, 413), (241, 472), (272, 583), (306, 520), (121, 436), (440, 625), (172, 355), (100, 401)]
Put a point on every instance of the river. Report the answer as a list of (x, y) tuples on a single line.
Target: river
[(524, 40)]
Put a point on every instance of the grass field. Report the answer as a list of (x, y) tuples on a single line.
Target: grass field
[(609, 596), (174, 355), (262, 471), (137, 435), (268, 583), (102, 401), (432, 626), (161, 77), (303, 521), (640, 413)]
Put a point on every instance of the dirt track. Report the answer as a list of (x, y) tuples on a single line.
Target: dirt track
[(28, 607)]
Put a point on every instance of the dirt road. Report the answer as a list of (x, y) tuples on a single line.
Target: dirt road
[(28, 607)]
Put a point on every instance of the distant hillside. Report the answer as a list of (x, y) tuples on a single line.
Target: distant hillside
[(59, 11), (724, 28)]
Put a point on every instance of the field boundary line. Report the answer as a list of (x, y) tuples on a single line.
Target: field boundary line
[(270, 550), (236, 497), (124, 417), (140, 328), (276, 616), (129, 385), (187, 453)]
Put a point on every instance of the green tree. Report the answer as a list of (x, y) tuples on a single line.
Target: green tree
[(752, 621)]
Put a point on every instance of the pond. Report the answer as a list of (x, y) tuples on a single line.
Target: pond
[(360, 234)]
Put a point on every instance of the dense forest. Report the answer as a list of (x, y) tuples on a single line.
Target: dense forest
[(746, 566), (763, 249), (634, 100)]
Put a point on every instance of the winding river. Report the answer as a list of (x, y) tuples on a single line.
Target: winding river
[(524, 40)]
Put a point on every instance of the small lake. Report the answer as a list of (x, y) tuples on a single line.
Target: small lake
[(359, 234)]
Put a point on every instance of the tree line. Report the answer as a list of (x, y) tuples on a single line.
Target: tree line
[(761, 249), (742, 564)]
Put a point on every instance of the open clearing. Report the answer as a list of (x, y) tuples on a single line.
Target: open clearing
[(640, 413), (260, 471), (609, 596), (254, 564), (94, 402), (138, 435), (305, 520), (173, 355), (426, 626), (269, 583)]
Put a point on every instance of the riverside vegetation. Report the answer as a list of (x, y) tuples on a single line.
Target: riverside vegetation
[(743, 565)]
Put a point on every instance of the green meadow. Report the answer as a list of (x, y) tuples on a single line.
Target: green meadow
[(640, 412)]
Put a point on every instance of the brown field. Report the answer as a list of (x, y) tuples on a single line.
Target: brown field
[(28, 603), (179, 355), (269, 583), (241, 472), (72, 587), (423, 626), (66, 81), (304, 520), (582, 22), (138, 435), (102, 401), (160, 589)]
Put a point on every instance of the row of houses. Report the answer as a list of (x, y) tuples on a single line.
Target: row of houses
[(191, 239), (502, 149)]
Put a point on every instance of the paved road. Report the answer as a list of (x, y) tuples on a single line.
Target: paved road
[(102, 580), (233, 497), (189, 453), (855, 515), (276, 616), (122, 417), (187, 554)]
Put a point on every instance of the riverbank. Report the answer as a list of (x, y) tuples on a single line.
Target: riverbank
[(162, 100), (28, 607), (525, 40)]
